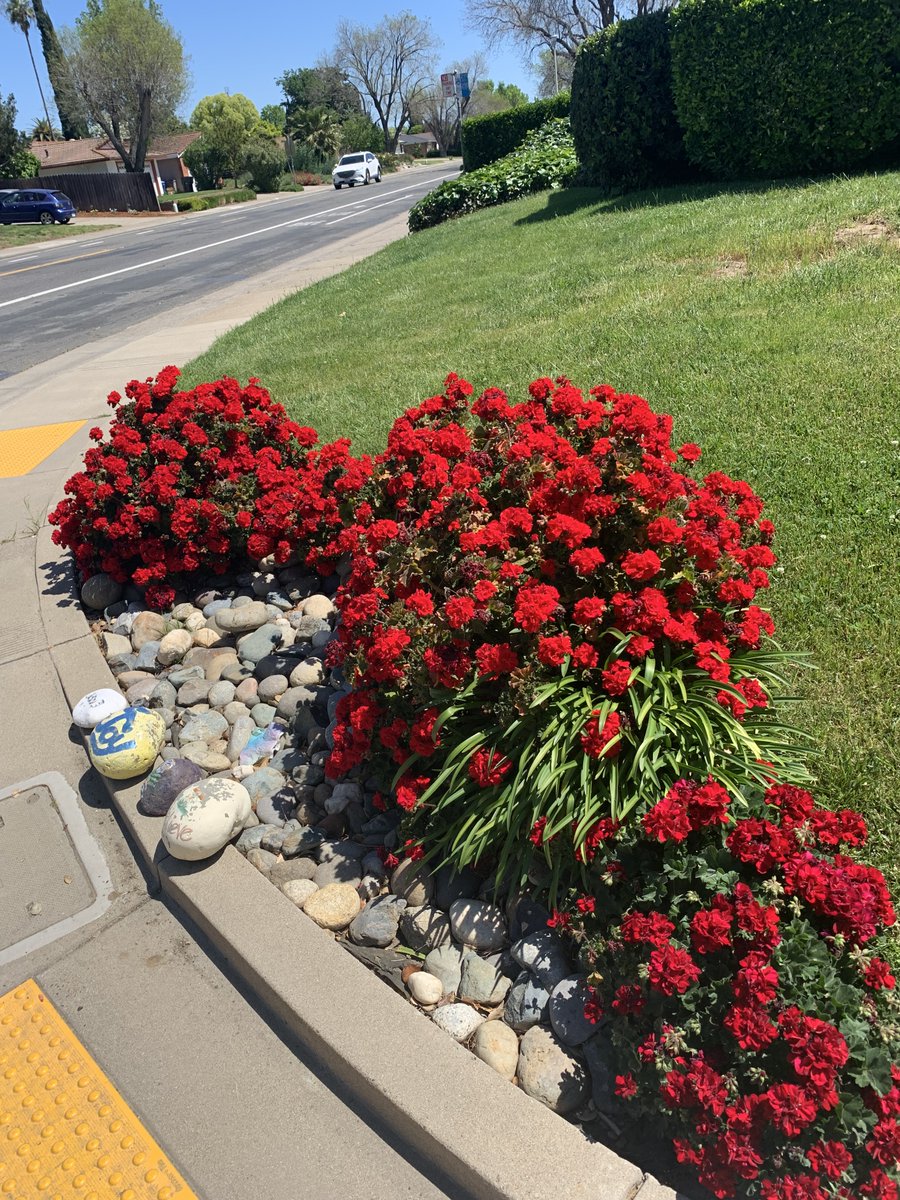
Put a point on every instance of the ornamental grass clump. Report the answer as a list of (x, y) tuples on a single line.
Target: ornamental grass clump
[(201, 481), (548, 621), (734, 947)]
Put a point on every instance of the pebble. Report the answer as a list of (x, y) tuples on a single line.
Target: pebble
[(304, 841), (181, 675), (338, 870), (263, 782), (446, 962), (221, 693), (147, 627), (376, 925), (263, 714), (239, 737), (425, 989), (459, 1020), (254, 646), (140, 692), (329, 849), (236, 672), (215, 606), (424, 928), (292, 868), (497, 1045), (182, 612), (209, 760), (242, 619), (246, 692), (544, 954), (412, 882), (478, 924), (115, 645), (100, 591), (192, 691), (333, 906), (567, 1001), (251, 838), (297, 890), (526, 1003), (482, 981), (307, 673), (173, 647), (548, 1073), (318, 606), (276, 807), (163, 695), (213, 662), (203, 728), (206, 638), (271, 688), (292, 699), (263, 860), (234, 711)]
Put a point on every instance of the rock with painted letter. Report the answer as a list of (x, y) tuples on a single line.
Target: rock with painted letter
[(205, 817), (97, 706), (127, 744)]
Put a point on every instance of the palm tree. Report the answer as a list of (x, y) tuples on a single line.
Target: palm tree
[(20, 13), (318, 128), (41, 131)]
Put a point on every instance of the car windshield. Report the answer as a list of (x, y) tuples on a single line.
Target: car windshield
[(351, 158)]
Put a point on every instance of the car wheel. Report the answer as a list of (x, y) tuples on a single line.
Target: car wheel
[(46, 218), (352, 183), (367, 179), (65, 220), (378, 177), (337, 187)]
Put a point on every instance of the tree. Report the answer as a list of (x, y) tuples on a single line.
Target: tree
[(390, 65), (359, 132), (11, 141), (324, 86), (72, 117), (553, 73), (129, 68), (21, 14), (319, 129), (264, 160), (490, 97), (274, 114), (227, 124), (558, 24), (42, 131), (441, 114)]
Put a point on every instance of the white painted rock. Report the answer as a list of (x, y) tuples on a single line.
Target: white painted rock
[(205, 817), (97, 706), (126, 745), (425, 988), (459, 1020)]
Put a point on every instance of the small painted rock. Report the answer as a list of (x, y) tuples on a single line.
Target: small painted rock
[(204, 818), (164, 783), (127, 744), (97, 706)]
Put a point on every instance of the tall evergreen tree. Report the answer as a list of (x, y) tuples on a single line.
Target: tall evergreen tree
[(72, 117)]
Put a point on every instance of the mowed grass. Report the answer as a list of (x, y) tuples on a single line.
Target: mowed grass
[(25, 235), (765, 319)]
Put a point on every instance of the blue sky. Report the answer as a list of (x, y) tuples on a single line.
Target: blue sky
[(239, 47)]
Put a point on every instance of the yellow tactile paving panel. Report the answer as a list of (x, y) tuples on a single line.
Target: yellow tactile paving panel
[(22, 449), (65, 1132)]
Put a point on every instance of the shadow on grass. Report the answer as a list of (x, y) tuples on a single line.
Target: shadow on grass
[(594, 200)]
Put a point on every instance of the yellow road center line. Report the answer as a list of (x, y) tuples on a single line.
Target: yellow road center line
[(65, 1130), (55, 263), (22, 449)]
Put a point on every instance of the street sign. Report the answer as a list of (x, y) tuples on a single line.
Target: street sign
[(462, 84), (448, 83)]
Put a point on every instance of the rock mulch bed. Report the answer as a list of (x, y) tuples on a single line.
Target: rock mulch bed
[(247, 655)]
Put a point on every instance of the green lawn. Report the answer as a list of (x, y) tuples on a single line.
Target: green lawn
[(24, 235), (770, 334)]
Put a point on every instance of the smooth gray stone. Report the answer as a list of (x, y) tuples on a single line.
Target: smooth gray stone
[(240, 734), (215, 606), (447, 885), (221, 693), (346, 848), (529, 917), (237, 672), (100, 591), (445, 962), (263, 782), (478, 924), (279, 600), (282, 662), (567, 1002), (293, 698), (163, 695), (139, 693), (243, 600), (258, 644), (242, 618), (181, 675), (263, 714), (289, 761), (304, 841), (548, 1073), (338, 870), (262, 584), (292, 868), (306, 627), (482, 981), (272, 841), (423, 928), (271, 688), (203, 728), (261, 859), (544, 954), (376, 925), (250, 839), (276, 807), (146, 660), (193, 691), (526, 1003)]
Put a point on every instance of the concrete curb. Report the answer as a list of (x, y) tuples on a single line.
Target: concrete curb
[(487, 1136)]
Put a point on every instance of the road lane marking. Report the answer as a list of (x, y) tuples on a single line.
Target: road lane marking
[(153, 262), (56, 262)]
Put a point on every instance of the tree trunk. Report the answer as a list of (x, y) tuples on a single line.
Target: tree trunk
[(71, 120), (38, 81)]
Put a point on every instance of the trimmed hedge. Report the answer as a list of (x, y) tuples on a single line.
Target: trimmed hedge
[(199, 201), (545, 159), (623, 112), (777, 87), (487, 138)]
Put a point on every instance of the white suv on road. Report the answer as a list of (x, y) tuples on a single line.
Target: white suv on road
[(362, 167)]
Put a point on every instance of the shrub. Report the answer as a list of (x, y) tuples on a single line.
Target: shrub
[(389, 162), (487, 138), (765, 87), (546, 159), (198, 480), (546, 624), (623, 112), (734, 948), (310, 179), (264, 160)]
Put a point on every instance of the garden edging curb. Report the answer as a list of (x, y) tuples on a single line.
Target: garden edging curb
[(486, 1136)]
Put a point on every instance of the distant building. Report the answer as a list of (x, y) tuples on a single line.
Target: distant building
[(416, 143), (87, 156)]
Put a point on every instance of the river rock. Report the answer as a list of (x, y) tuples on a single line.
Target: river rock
[(376, 925), (263, 714), (115, 646), (548, 1073), (139, 693), (210, 760), (459, 1020), (292, 868), (254, 646), (497, 1045), (271, 688), (294, 698), (308, 673), (246, 691), (482, 982), (240, 620), (163, 695), (424, 928), (100, 591), (205, 727), (173, 647), (412, 882), (221, 693), (446, 963), (263, 860), (236, 672), (204, 818), (239, 737), (276, 807), (126, 745), (526, 1003), (450, 885), (97, 706), (425, 989), (567, 1001), (214, 661), (319, 607), (234, 710), (338, 870), (147, 627), (478, 924), (333, 906), (162, 786), (297, 890), (544, 954), (251, 838), (303, 841)]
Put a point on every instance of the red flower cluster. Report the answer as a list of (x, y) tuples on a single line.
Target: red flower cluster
[(746, 1005), (199, 480)]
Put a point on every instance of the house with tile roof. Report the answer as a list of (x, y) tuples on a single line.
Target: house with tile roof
[(164, 163)]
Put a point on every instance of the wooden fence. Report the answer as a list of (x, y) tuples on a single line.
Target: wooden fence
[(97, 193)]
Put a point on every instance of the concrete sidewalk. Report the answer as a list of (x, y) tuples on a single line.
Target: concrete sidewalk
[(219, 1044)]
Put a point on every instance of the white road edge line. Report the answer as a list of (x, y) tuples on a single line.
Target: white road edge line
[(64, 287)]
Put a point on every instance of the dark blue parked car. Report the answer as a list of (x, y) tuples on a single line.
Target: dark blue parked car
[(35, 204)]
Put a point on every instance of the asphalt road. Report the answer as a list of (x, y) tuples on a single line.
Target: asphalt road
[(58, 296)]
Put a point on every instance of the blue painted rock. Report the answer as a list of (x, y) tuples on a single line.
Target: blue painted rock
[(205, 817), (163, 784), (127, 744)]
